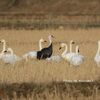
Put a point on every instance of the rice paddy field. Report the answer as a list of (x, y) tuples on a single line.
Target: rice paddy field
[(42, 80)]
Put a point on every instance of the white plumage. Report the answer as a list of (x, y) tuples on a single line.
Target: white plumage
[(54, 59), (77, 60), (4, 48), (70, 54), (65, 55), (2, 54), (97, 56), (33, 54), (11, 58)]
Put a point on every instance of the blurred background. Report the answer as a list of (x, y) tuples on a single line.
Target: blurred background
[(55, 6)]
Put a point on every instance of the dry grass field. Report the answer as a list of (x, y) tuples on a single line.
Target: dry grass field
[(23, 41)]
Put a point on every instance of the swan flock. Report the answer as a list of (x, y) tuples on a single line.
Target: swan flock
[(72, 58)]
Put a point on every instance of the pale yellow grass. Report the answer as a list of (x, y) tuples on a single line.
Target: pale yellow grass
[(23, 41)]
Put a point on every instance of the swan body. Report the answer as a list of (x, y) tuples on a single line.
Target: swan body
[(33, 54), (97, 56), (46, 52), (77, 60), (54, 59), (66, 56), (9, 59)]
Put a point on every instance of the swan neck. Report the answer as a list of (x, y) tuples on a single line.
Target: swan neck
[(40, 45), (50, 40), (4, 47), (98, 51), (77, 51), (65, 51), (11, 52)]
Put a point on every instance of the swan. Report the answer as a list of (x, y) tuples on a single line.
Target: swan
[(54, 59), (33, 54), (46, 52), (97, 56), (9, 59), (70, 54), (4, 48), (77, 60), (65, 55)]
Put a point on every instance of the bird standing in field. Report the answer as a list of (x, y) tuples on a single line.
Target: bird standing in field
[(77, 60), (9, 59), (46, 52)]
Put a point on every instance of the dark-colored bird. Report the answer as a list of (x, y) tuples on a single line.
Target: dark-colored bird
[(46, 52)]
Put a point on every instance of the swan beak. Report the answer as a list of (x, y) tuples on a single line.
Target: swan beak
[(60, 47), (45, 41), (0, 41)]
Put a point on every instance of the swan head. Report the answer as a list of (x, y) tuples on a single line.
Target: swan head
[(2, 40), (72, 42), (41, 40), (62, 45), (8, 49), (50, 36)]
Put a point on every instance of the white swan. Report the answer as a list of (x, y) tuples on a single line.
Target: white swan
[(97, 56), (33, 54), (77, 60), (65, 55), (4, 48), (9, 59), (70, 54), (54, 59)]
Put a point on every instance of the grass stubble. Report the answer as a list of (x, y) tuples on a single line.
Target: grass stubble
[(23, 41)]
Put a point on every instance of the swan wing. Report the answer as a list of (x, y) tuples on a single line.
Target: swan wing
[(10, 60), (54, 59), (76, 60), (68, 56)]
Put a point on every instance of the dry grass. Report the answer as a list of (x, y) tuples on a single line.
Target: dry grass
[(48, 18), (23, 41)]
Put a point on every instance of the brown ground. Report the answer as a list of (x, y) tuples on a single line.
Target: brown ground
[(56, 6)]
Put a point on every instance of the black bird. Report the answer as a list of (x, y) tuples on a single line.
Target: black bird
[(46, 52)]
